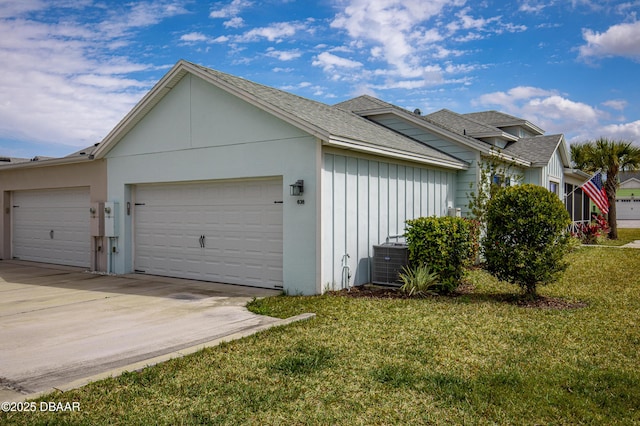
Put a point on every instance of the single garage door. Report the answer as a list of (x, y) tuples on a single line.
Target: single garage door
[(52, 226), (229, 231), (628, 209)]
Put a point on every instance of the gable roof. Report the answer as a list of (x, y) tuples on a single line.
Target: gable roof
[(465, 125), (500, 119), (625, 176), (537, 149), (369, 106), (333, 126)]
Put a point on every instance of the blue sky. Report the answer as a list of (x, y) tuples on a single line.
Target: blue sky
[(71, 69)]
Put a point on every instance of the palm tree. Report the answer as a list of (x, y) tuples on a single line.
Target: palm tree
[(610, 157)]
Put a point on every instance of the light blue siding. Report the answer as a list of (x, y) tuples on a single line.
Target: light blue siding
[(554, 171), (465, 179), (364, 201)]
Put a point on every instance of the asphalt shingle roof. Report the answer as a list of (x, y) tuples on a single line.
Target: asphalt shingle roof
[(536, 149), (500, 119), (335, 121), (463, 125)]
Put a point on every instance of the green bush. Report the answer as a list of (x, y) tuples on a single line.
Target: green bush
[(418, 280), (527, 239), (445, 244)]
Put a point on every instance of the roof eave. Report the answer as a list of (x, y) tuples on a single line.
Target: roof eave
[(502, 156), (349, 144), (47, 163), (420, 121), (169, 81)]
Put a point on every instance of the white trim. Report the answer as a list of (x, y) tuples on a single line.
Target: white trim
[(416, 158)]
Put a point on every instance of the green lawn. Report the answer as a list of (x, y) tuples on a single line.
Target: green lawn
[(473, 359), (625, 235)]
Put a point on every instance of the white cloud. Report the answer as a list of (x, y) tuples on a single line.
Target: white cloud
[(546, 108), (141, 14), (283, 55), (235, 22), (626, 131), (411, 36), (391, 25), (530, 6), (63, 82), (193, 37), (230, 10), (618, 40), (617, 104), (274, 32), (329, 62)]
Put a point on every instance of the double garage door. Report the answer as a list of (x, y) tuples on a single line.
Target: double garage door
[(229, 232), (52, 226)]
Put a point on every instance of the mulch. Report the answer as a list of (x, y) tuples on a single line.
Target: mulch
[(382, 292)]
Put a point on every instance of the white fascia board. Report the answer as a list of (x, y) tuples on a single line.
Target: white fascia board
[(501, 135), (576, 173), (502, 156), (47, 163), (386, 152), (417, 120)]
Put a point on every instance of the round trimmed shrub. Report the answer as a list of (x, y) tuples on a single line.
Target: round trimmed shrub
[(527, 237), (446, 245)]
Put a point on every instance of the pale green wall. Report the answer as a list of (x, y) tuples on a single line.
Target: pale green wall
[(199, 132), (465, 178), (367, 199)]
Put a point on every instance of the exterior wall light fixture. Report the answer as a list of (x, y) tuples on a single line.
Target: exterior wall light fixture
[(297, 188)]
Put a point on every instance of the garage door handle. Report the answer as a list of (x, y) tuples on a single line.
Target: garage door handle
[(202, 241), (51, 234)]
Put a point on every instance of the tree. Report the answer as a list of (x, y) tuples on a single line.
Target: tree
[(527, 238), (494, 175), (609, 157)]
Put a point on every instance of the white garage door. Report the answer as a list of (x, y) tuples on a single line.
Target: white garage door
[(229, 232), (52, 226), (628, 209)]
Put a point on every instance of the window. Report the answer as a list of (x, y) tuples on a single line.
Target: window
[(502, 180), (554, 187)]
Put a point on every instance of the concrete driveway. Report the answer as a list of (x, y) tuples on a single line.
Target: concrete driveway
[(61, 327)]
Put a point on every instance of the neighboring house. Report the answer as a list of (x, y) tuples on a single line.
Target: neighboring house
[(46, 209), (216, 178), (628, 196), (527, 153)]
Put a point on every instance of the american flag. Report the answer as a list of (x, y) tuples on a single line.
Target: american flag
[(595, 190)]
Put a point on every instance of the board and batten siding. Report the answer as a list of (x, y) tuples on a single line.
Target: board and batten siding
[(554, 171), (364, 201), (465, 178)]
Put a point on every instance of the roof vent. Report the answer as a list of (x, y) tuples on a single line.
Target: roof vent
[(417, 111), (36, 158)]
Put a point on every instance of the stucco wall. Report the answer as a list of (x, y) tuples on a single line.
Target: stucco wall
[(92, 174), (199, 132)]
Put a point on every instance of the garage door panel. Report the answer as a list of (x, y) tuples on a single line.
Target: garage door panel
[(628, 208), (52, 226), (241, 224)]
